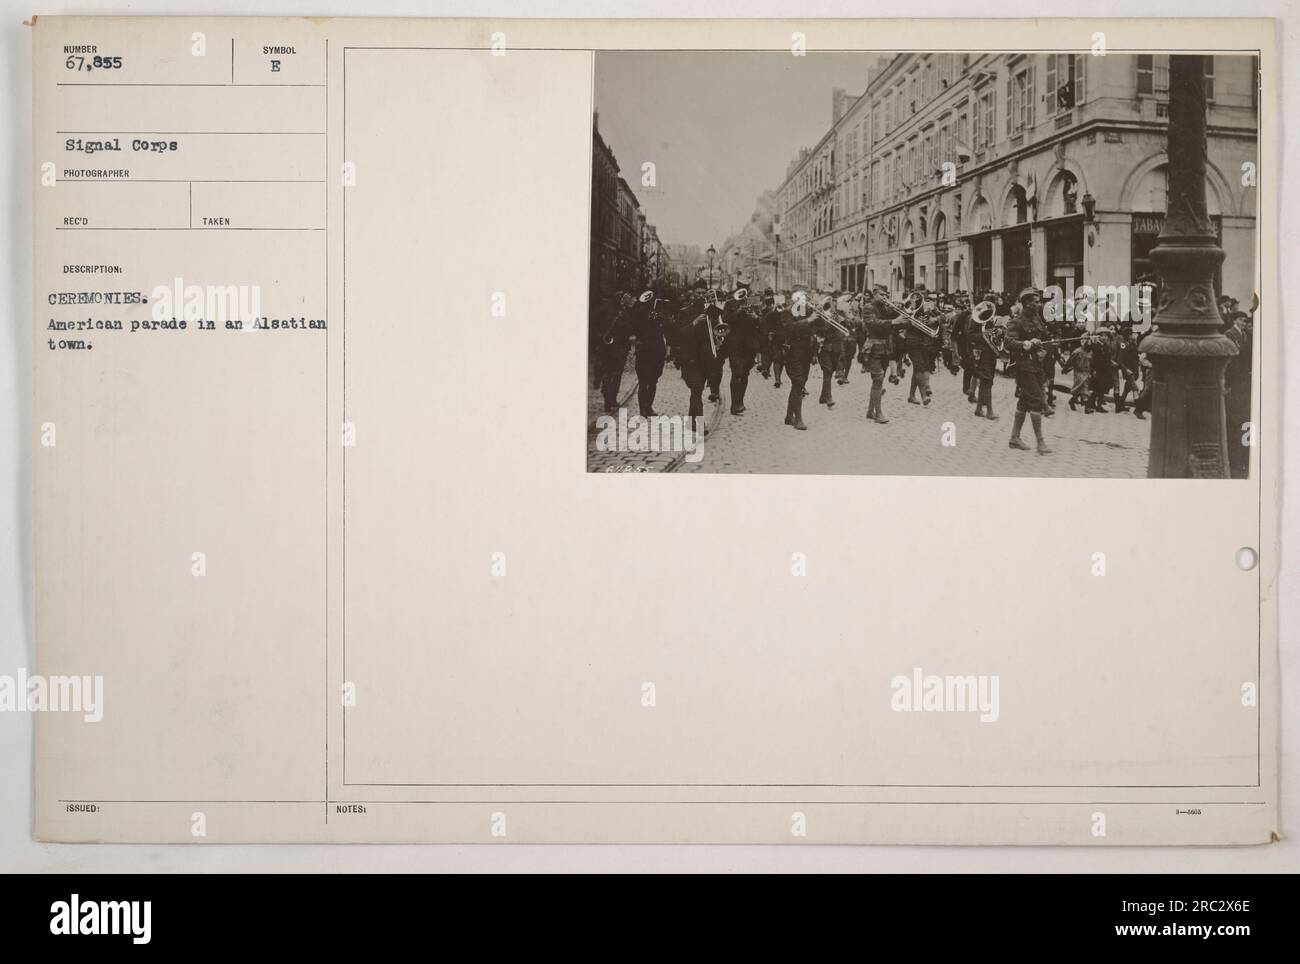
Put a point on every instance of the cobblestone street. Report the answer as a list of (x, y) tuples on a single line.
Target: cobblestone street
[(671, 398), (841, 440)]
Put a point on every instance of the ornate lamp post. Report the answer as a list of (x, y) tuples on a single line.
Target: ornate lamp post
[(711, 252), (776, 257), (1189, 351)]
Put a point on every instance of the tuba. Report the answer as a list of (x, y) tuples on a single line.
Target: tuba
[(985, 315), (717, 330)]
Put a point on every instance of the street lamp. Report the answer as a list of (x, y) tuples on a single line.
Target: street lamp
[(776, 257), (711, 253), (1189, 351)]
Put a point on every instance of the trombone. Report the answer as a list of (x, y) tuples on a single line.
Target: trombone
[(824, 316), (910, 304)]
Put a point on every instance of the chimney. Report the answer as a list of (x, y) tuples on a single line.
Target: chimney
[(839, 104)]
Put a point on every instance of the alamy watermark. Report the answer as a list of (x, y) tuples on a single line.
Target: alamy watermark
[(53, 694), (651, 433), (920, 693), (216, 303), (1099, 304)]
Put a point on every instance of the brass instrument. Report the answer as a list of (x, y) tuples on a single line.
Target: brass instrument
[(608, 337), (717, 332), (911, 303), (644, 298), (824, 316), (985, 315)]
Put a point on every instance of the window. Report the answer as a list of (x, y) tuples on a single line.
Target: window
[(985, 115), (1153, 75), (1020, 100), (1065, 82), (1145, 83)]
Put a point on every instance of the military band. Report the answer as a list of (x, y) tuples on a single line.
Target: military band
[(783, 334)]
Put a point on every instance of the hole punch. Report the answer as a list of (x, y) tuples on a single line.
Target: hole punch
[(1247, 558)]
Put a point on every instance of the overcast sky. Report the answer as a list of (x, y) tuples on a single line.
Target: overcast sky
[(720, 127)]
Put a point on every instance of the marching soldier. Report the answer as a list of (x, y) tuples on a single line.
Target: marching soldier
[(851, 348), (695, 358), (612, 351), (742, 337), (828, 354), (713, 371), (984, 358), (966, 337), (878, 329), (797, 348), (921, 350), (1025, 336), (651, 350), (764, 346), (773, 322)]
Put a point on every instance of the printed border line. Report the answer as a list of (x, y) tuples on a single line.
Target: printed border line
[(758, 803), (593, 51)]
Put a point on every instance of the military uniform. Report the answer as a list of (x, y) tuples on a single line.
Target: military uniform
[(764, 346), (851, 346), (797, 349), (713, 370), (921, 349), (1102, 378), (770, 331), (611, 358), (651, 352), (1025, 335), (694, 358), (877, 332), (828, 356), (742, 340), (984, 360), (965, 335)]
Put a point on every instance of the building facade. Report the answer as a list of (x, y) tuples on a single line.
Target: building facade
[(626, 252), (976, 172)]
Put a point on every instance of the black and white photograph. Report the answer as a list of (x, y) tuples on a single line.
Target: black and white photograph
[(923, 263)]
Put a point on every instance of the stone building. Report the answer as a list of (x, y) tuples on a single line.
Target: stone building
[(626, 251), (995, 171)]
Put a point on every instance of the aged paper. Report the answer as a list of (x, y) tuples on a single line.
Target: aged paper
[(322, 554)]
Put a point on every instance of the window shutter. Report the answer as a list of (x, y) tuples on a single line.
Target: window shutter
[(1080, 79), (1011, 88), (1145, 74), (1052, 84), (1029, 96)]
